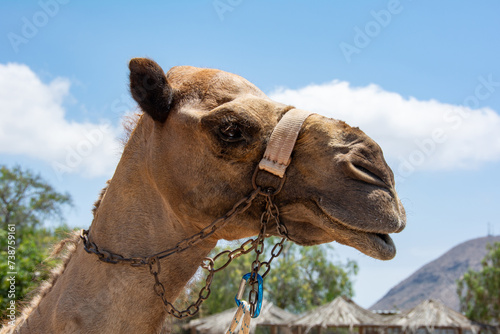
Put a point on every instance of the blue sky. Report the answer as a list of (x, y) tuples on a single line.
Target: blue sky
[(420, 77)]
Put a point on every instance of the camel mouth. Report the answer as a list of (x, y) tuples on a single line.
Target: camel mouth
[(375, 244), (310, 223)]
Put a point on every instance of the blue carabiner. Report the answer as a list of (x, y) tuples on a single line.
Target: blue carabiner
[(259, 294)]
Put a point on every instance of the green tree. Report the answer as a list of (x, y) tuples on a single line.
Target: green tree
[(301, 278), (479, 291), (311, 276), (26, 201)]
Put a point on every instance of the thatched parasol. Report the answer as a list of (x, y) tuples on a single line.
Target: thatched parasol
[(341, 312), (270, 315), (431, 314)]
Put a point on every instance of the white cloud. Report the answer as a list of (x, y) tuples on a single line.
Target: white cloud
[(415, 135), (33, 123)]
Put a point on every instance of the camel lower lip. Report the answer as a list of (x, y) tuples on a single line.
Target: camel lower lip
[(377, 245), (382, 245)]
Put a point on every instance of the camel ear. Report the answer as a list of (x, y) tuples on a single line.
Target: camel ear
[(149, 87)]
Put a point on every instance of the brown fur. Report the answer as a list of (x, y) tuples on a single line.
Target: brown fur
[(129, 123), (99, 198), (190, 157)]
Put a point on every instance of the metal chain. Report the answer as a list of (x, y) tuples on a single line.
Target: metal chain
[(109, 257), (270, 214), (240, 207), (159, 288), (209, 264)]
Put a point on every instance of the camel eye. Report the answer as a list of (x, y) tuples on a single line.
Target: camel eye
[(231, 132)]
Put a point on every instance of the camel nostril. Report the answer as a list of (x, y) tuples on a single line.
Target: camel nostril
[(366, 171), (364, 174)]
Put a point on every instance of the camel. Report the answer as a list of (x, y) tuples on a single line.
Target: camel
[(190, 158)]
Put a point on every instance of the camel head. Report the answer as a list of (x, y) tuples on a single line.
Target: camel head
[(204, 131)]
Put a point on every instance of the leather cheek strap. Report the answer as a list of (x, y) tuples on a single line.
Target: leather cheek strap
[(278, 152)]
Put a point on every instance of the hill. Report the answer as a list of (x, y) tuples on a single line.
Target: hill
[(437, 279)]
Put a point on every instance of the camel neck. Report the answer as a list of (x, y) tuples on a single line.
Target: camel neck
[(91, 296)]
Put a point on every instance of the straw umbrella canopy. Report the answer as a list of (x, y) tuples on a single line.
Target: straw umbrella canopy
[(431, 314), (341, 312), (270, 315)]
